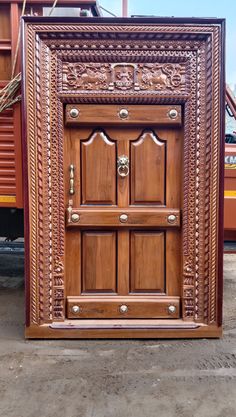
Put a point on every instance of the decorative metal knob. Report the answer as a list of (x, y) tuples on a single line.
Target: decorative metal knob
[(75, 217), (74, 113), (171, 218), (123, 166), (173, 114), (123, 113), (171, 309), (75, 309), (123, 218), (123, 309)]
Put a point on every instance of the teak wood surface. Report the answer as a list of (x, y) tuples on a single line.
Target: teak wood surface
[(132, 250)]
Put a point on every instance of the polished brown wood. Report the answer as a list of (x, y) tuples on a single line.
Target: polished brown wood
[(98, 165), (134, 227), (101, 307), (147, 261), (142, 217), (114, 329), (99, 262), (148, 161), (136, 115), (130, 259)]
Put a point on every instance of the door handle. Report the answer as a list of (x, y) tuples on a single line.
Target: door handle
[(72, 170), (123, 166)]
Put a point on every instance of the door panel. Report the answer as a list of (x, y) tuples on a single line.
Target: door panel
[(98, 174), (148, 160), (99, 261), (123, 232), (147, 261)]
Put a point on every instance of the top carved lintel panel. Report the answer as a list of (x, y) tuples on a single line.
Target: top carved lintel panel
[(164, 77)]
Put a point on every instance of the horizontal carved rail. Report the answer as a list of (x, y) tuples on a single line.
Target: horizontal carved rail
[(155, 217), (124, 114)]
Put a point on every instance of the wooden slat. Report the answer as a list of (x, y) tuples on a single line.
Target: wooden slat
[(8, 171), (5, 44), (7, 163), (7, 158)]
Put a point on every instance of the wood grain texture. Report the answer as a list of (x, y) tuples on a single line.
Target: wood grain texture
[(137, 307), (73, 264), (147, 262), (112, 330), (110, 114), (99, 262), (142, 217), (148, 170), (98, 170)]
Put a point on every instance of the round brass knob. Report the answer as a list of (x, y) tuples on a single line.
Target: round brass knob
[(123, 309), (75, 309), (123, 218), (171, 218), (74, 113), (75, 217), (173, 114), (123, 113), (171, 309)]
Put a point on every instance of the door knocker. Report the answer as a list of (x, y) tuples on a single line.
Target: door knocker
[(123, 166)]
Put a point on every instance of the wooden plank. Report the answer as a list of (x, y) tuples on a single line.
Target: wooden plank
[(177, 329), (73, 262), (137, 307), (5, 44), (123, 261), (110, 114), (141, 217)]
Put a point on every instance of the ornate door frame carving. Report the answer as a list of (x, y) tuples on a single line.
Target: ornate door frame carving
[(124, 61)]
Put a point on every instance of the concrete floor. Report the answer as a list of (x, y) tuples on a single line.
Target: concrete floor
[(167, 378)]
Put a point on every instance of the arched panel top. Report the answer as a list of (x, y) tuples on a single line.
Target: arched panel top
[(98, 169), (148, 169), (98, 135), (148, 135)]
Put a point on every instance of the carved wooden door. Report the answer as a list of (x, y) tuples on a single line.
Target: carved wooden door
[(123, 185), (123, 122)]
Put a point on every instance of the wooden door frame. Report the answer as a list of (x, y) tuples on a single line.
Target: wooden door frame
[(194, 78)]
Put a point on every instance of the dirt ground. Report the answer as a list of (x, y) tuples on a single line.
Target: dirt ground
[(74, 378)]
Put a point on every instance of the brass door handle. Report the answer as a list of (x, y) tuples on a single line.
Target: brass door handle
[(72, 170), (123, 166)]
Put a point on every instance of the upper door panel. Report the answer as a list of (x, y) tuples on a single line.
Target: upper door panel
[(98, 170), (148, 166)]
